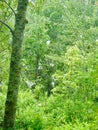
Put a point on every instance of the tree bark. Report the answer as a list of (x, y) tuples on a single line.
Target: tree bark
[(15, 66)]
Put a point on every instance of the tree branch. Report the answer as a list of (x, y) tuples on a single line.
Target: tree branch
[(9, 6), (7, 26)]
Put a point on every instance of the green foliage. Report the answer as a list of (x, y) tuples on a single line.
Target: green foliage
[(54, 113), (2, 103), (60, 59), (2, 98), (28, 112)]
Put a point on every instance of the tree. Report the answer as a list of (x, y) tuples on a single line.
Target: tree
[(15, 64)]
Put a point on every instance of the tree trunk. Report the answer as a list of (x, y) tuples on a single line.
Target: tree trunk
[(15, 66)]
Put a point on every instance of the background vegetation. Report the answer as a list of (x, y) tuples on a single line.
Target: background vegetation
[(59, 78)]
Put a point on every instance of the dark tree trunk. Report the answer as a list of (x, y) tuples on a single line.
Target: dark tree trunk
[(15, 66)]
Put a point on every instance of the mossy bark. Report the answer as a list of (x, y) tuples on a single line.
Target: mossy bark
[(15, 66)]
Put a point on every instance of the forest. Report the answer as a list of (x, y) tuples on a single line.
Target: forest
[(48, 64)]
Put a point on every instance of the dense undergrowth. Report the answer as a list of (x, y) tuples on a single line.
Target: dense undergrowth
[(53, 113)]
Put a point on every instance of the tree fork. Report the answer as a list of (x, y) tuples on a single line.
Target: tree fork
[(15, 66)]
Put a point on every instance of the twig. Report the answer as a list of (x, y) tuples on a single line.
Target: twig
[(9, 6), (7, 26)]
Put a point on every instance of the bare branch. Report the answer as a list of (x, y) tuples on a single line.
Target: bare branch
[(9, 6), (7, 26)]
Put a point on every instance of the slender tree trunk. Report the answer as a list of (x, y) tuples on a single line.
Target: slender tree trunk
[(15, 66)]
